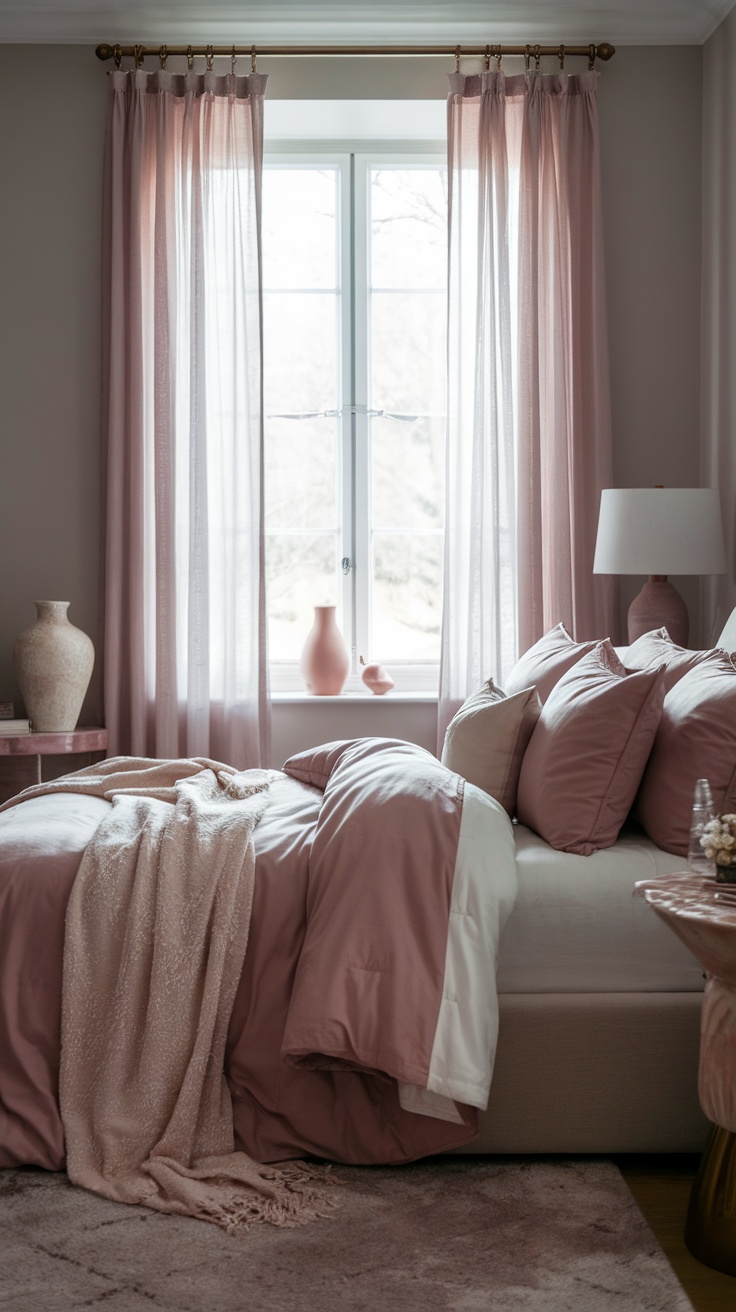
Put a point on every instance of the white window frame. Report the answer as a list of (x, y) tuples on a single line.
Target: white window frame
[(354, 160)]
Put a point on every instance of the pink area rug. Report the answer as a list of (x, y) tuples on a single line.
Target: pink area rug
[(463, 1234)]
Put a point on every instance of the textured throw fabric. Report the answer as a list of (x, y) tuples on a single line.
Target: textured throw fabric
[(156, 932)]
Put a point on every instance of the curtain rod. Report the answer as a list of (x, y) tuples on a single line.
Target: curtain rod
[(139, 52)]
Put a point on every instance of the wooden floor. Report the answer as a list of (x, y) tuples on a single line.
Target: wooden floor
[(661, 1186)]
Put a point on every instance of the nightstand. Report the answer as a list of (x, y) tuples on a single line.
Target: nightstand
[(32, 758), (703, 914)]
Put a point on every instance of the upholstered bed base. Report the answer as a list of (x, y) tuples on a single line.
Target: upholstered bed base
[(595, 1073)]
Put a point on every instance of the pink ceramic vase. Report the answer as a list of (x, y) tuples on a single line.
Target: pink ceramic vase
[(325, 662)]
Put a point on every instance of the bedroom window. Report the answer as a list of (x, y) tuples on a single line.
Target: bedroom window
[(354, 275)]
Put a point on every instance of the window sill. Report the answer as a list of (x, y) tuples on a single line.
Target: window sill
[(361, 698)]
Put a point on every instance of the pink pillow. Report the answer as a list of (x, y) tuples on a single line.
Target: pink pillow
[(544, 664), (696, 739), (586, 756), (657, 648)]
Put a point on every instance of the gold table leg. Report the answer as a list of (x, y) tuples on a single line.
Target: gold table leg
[(710, 1228)]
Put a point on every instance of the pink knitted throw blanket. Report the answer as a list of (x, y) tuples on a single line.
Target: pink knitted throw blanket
[(156, 932)]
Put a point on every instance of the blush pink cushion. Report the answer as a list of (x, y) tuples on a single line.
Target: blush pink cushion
[(696, 739), (486, 740), (657, 648), (586, 756), (544, 664)]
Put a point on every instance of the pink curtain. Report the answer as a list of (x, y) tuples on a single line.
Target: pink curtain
[(185, 620), (529, 440)]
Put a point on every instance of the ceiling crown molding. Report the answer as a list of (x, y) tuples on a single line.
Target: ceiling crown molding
[(363, 22)]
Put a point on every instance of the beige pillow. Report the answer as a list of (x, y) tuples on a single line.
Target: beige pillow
[(486, 740)]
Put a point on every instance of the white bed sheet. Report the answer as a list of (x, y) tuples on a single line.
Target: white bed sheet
[(576, 926)]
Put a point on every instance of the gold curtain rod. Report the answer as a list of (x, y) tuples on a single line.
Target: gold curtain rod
[(139, 52)]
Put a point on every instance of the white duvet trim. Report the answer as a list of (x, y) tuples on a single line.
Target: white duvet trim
[(483, 894)]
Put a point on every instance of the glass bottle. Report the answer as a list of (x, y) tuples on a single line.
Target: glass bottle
[(697, 862)]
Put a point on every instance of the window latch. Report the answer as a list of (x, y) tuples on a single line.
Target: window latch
[(347, 564)]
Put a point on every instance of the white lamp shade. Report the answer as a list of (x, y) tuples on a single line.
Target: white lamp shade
[(660, 530)]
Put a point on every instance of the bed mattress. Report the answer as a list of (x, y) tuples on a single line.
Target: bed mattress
[(577, 927)]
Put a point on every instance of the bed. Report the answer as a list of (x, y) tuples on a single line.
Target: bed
[(589, 1008)]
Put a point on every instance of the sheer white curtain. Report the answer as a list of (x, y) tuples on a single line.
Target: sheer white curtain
[(529, 442), (185, 620)]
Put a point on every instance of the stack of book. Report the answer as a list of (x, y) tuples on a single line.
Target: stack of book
[(9, 726)]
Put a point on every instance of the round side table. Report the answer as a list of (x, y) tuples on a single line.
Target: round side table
[(703, 914), (30, 758)]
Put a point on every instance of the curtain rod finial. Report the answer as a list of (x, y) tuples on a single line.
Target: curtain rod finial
[(605, 50), (104, 51)]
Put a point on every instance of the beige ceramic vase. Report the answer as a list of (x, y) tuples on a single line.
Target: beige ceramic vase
[(325, 661), (53, 661)]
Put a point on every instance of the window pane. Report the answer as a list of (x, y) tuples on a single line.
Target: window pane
[(408, 227), (301, 573), (301, 474), (406, 596), (300, 352), (299, 227), (408, 473), (408, 352)]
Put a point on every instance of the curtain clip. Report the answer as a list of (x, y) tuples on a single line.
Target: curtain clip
[(233, 57), (163, 55), (138, 53), (561, 57), (591, 56), (190, 58), (252, 59), (497, 52), (527, 58), (487, 59), (457, 59), (117, 55), (210, 59), (536, 59)]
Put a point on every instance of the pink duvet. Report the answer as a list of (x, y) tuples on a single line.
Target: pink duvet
[(365, 1022)]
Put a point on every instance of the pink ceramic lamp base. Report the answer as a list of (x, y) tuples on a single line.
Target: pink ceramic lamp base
[(658, 604)]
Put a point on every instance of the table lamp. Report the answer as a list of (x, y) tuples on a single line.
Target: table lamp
[(660, 531)]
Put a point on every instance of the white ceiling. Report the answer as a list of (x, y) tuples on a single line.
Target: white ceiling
[(356, 22)]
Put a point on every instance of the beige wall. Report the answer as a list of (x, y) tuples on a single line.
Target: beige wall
[(51, 133), (650, 113), (719, 301), (52, 104)]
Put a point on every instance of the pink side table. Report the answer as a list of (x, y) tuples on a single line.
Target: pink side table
[(31, 758), (703, 914)]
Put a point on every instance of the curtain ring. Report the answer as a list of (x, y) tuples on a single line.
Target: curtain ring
[(487, 59), (117, 55), (190, 58), (561, 57), (591, 56), (457, 59), (163, 55), (536, 59), (210, 58), (138, 52), (233, 57), (252, 59), (527, 58)]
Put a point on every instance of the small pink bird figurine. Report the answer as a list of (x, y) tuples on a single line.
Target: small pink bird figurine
[(376, 678)]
